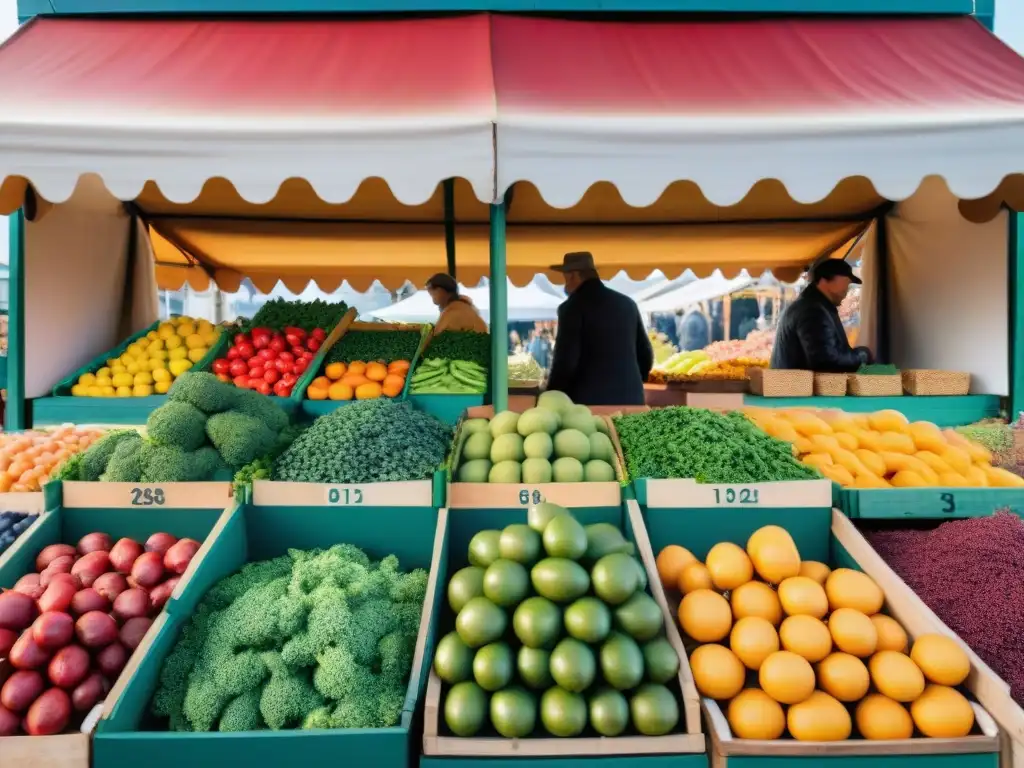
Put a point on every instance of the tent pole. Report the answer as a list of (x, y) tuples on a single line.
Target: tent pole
[(448, 186), (15, 406), (499, 310), (1016, 305)]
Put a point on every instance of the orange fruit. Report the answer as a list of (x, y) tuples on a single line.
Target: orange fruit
[(316, 393), (334, 371), (320, 382), (357, 367), (354, 380), (340, 391), (671, 561), (399, 366), (376, 372), (371, 390), (393, 385)]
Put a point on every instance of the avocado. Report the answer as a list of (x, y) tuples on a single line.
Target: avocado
[(654, 709), (506, 583), (609, 712), (493, 667), (559, 579), (476, 471), (539, 515), (563, 714), (465, 708), (622, 663), (532, 665), (520, 543), (483, 548), (565, 537), (588, 619), (480, 622), (572, 665), (615, 578), (513, 713), (661, 661), (453, 659), (466, 584), (639, 617), (537, 622)]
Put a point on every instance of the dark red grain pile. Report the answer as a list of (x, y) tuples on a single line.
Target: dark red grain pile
[(971, 573)]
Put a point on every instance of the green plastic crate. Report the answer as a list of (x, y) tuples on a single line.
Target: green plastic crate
[(930, 503), (252, 533), (700, 529), (458, 526)]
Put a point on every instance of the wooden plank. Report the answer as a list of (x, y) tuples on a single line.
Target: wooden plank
[(412, 493), (513, 495), (689, 494), (147, 495), (66, 750), (22, 502), (427, 615), (691, 699)]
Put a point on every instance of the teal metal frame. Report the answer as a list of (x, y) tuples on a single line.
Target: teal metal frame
[(499, 309), (1015, 299), (14, 413), (29, 8)]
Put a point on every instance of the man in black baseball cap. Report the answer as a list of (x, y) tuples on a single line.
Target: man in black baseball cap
[(810, 334)]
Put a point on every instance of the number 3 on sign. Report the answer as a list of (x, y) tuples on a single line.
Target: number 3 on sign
[(147, 497), (526, 497), (948, 503), (345, 496)]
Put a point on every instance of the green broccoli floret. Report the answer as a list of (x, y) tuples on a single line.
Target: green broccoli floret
[(288, 697), (174, 675), (177, 424), (239, 438), (326, 625), (262, 408), (70, 468), (204, 391), (243, 713), (95, 459), (125, 465), (167, 464)]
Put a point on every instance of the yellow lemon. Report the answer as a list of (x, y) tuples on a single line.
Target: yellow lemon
[(158, 344), (133, 368), (160, 354), (173, 342), (95, 390), (152, 336), (197, 354), (204, 325), (142, 390), (143, 377), (127, 359), (124, 392), (87, 379), (108, 391), (193, 341), (123, 380), (104, 371), (104, 381), (186, 329), (161, 374), (117, 368), (166, 330), (209, 337), (178, 367), (178, 353), (161, 387), (79, 390)]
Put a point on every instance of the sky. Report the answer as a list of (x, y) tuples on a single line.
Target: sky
[(1009, 27)]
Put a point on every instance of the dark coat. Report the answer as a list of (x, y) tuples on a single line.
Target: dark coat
[(811, 337), (602, 352)]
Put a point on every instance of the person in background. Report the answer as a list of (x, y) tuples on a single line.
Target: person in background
[(811, 336), (602, 353), (457, 312), (540, 348)]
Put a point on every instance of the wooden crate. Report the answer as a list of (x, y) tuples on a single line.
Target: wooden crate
[(690, 739)]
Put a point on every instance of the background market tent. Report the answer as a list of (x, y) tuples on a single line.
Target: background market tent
[(705, 289), (528, 303)]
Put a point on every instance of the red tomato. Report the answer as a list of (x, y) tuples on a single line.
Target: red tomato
[(242, 338), (286, 356), (297, 351), (241, 382), (272, 375), (223, 377), (221, 365), (283, 366), (313, 344), (238, 368), (263, 387), (307, 356), (281, 389), (261, 342), (289, 379), (296, 331), (319, 334), (254, 383), (293, 339), (267, 354), (232, 353), (256, 369), (277, 344), (245, 351), (300, 365), (262, 330)]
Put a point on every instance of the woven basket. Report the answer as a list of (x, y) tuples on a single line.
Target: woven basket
[(936, 383), (768, 382), (875, 386), (830, 384)]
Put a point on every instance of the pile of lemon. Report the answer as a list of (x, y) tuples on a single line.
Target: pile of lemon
[(152, 362)]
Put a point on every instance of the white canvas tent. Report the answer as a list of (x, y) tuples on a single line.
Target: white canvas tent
[(527, 303)]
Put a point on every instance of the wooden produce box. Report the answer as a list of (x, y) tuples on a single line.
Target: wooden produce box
[(248, 533), (30, 502), (827, 536), (983, 683), (686, 744), (510, 495), (66, 523)]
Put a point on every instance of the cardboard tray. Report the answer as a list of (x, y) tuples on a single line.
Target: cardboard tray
[(246, 533), (512, 495), (456, 526), (66, 524), (828, 536)]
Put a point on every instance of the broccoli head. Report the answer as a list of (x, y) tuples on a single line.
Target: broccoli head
[(262, 408), (125, 465), (239, 438), (177, 424), (203, 391), (95, 459), (288, 697), (167, 464), (242, 713)]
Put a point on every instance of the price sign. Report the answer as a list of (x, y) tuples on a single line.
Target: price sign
[(740, 495), (147, 497), (948, 503), (344, 496), (527, 497)]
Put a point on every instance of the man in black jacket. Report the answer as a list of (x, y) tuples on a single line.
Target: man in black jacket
[(602, 351), (811, 336)]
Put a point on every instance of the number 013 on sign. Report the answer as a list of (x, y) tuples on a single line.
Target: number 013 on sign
[(689, 494)]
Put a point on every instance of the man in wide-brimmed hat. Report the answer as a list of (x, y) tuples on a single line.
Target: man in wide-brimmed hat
[(602, 352)]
